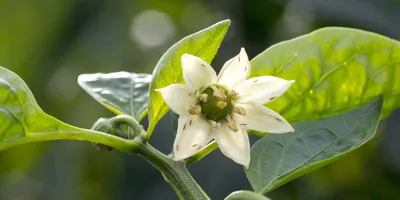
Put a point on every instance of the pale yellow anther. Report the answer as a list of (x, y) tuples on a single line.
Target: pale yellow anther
[(195, 110), (231, 123), (221, 104), (240, 110), (203, 98), (218, 92), (214, 124), (232, 93)]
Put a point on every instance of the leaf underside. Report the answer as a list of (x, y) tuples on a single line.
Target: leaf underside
[(279, 158), (120, 92)]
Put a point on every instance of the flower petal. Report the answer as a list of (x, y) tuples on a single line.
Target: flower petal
[(178, 97), (260, 118), (196, 72), (235, 70), (193, 134), (234, 145), (262, 89)]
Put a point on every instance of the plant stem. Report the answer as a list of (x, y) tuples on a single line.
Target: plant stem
[(175, 173)]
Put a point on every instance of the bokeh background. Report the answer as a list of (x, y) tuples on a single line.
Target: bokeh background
[(49, 43)]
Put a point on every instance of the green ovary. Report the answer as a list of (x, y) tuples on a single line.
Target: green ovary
[(217, 108)]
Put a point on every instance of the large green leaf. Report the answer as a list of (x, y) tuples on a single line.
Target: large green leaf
[(203, 44), (120, 92), (245, 195), (279, 158), (22, 120), (336, 69)]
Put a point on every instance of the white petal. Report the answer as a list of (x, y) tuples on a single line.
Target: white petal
[(263, 119), (193, 134), (262, 89), (178, 97), (235, 70), (196, 72), (234, 145)]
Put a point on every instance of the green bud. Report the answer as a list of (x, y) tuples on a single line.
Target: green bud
[(103, 125)]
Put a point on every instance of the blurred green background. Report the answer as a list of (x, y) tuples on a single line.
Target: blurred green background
[(49, 43)]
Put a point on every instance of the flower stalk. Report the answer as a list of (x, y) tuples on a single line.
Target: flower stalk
[(175, 173)]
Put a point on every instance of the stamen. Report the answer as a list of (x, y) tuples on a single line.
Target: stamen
[(203, 98), (215, 124), (231, 123), (221, 104), (194, 110), (232, 93), (218, 92), (240, 110)]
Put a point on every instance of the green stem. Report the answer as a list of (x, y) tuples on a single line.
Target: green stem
[(126, 119), (175, 173)]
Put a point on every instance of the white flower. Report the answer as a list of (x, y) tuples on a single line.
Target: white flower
[(222, 107)]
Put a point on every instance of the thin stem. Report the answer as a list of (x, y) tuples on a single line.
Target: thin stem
[(121, 144), (126, 119), (175, 173)]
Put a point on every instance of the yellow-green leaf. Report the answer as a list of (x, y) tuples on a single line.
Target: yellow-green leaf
[(336, 69), (22, 120)]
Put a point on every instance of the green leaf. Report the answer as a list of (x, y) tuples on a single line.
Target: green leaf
[(245, 195), (336, 69), (279, 158), (203, 44), (120, 92), (22, 120)]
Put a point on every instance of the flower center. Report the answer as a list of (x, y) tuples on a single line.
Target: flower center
[(216, 102)]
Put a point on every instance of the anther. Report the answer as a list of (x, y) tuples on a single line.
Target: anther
[(203, 98), (221, 104), (217, 92), (240, 110), (194, 110), (232, 93), (231, 123), (214, 124)]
